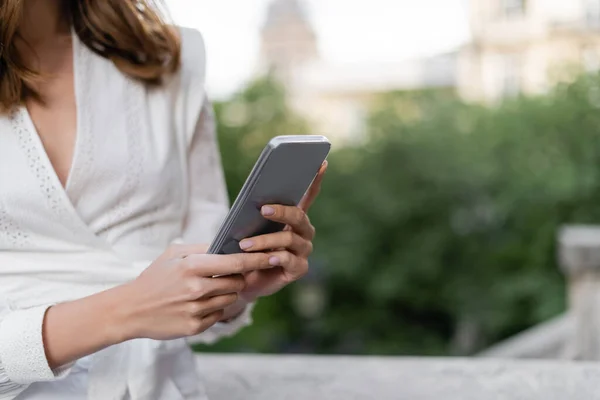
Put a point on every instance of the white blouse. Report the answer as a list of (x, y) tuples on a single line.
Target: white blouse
[(146, 173)]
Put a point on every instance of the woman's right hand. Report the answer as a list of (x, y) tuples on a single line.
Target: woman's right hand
[(178, 295)]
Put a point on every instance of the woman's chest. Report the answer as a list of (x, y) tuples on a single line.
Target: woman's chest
[(127, 174)]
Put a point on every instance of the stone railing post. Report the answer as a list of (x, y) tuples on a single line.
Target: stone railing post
[(579, 257)]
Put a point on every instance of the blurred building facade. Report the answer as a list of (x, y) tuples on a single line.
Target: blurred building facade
[(288, 40), (526, 46), (336, 98), (517, 46)]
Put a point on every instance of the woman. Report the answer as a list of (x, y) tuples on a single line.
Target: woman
[(108, 159)]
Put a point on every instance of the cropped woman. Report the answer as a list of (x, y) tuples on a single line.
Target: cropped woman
[(110, 187)]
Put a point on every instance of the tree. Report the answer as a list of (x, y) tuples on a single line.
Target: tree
[(437, 236)]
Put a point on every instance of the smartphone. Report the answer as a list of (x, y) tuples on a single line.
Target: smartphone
[(283, 173)]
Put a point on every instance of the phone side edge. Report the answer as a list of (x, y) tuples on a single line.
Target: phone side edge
[(223, 231)]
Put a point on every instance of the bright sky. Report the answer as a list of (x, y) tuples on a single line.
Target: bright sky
[(350, 31)]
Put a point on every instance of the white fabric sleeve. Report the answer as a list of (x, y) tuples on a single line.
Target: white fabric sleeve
[(207, 207), (208, 202), (22, 355)]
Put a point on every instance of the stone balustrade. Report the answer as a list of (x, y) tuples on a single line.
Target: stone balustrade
[(499, 373), (247, 377)]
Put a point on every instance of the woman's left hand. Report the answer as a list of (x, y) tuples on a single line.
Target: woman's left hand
[(293, 246)]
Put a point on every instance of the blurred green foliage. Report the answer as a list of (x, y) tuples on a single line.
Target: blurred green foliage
[(435, 236)]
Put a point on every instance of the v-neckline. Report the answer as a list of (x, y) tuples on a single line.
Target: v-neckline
[(78, 131), (62, 203)]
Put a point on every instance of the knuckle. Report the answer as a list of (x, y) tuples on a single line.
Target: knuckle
[(238, 283), (231, 298), (241, 284), (194, 327), (176, 250), (238, 264), (299, 271), (299, 216), (217, 315), (285, 257), (304, 267), (189, 263), (193, 308), (288, 279), (181, 268), (289, 258), (310, 247), (196, 287), (172, 251), (289, 237), (261, 260)]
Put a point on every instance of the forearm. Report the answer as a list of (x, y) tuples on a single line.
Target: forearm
[(79, 328), (82, 327)]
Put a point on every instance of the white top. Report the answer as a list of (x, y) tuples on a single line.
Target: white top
[(146, 173)]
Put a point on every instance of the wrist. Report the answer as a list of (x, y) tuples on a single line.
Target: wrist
[(75, 329), (120, 317)]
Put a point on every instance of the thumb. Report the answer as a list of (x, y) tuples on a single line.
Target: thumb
[(314, 189)]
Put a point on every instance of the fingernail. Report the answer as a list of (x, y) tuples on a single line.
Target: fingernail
[(266, 210), (274, 261), (246, 244)]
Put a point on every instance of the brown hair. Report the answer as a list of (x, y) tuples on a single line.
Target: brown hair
[(130, 33)]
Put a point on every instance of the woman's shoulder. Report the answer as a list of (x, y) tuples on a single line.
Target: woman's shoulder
[(185, 91), (193, 56)]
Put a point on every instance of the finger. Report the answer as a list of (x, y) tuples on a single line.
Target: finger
[(315, 188), (211, 319), (198, 325), (205, 307), (294, 267), (206, 287), (292, 216), (209, 287), (280, 240), (185, 250), (209, 265)]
